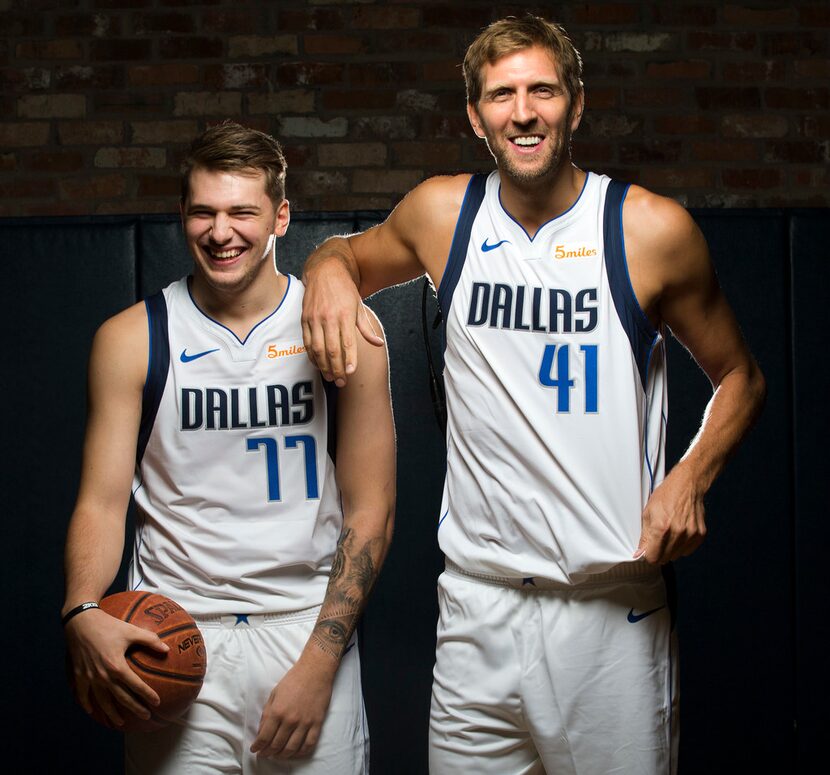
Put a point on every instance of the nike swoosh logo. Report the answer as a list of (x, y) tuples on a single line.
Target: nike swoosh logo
[(185, 358), (487, 248), (634, 618)]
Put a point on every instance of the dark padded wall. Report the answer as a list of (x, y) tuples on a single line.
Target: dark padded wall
[(752, 599)]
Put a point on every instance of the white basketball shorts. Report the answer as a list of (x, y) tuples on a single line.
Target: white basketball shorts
[(539, 677), (247, 656)]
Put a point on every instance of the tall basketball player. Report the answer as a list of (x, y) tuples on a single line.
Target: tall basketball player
[(204, 405), (555, 645)]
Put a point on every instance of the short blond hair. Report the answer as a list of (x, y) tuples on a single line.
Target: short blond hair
[(509, 35), (230, 147)]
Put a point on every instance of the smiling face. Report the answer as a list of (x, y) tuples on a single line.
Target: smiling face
[(526, 115), (230, 224)]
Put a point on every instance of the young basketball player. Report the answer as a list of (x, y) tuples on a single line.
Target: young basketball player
[(555, 651), (203, 403)]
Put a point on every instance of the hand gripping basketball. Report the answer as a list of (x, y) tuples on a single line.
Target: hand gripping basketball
[(175, 676)]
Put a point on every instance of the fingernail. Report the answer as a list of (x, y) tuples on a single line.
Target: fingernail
[(340, 382), (638, 555)]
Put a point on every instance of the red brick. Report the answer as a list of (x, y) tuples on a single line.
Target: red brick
[(335, 44), (753, 72), (416, 41), (282, 101), (8, 162), (314, 183), (447, 127), (607, 13), (351, 154), (450, 15), (28, 188), (49, 49), (226, 103), (676, 177), (754, 125), (159, 185), (683, 15), (658, 96), (299, 155), (797, 99), (305, 19), (613, 124), (430, 154), (22, 25), (162, 75), (236, 76), (795, 152), (816, 126), (813, 68), (381, 73), (690, 69), (124, 104), (650, 151), (817, 15), (131, 157), (384, 128), (163, 132), (123, 3), (357, 100), (54, 161), (119, 50), (261, 45), (191, 48), (52, 106), (90, 132), (753, 178), (385, 181), (308, 74), (723, 97), (725, 150), (739, 41), (25, 79), (591, 154), (335, 202), (86, 76), (230, 21), (800, 44), (446, 70), (636, 41), (759, 17), (92, 186), (88, 25), (153, 23), (384, 18), (685, 125)]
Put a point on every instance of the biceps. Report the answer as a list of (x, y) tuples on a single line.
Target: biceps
[(384, 258)]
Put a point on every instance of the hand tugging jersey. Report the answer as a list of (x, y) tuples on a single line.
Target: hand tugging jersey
[(238, 510), (556, 391)]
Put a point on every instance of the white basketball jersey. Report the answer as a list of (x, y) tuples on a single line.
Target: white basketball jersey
[(238, 510), (556, 391)]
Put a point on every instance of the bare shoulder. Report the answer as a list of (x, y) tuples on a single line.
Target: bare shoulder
[(121, 347), (664, 246), (434, 203)]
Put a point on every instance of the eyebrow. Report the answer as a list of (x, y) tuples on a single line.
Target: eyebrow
[(234, 209), (554, 83)]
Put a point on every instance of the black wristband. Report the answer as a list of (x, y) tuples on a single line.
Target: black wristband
[(78, 610)]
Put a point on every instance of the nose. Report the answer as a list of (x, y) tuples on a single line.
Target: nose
[(523, 110), (221, 229)]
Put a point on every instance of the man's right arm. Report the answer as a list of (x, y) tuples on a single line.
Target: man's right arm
[(343, 270), (96, 641)]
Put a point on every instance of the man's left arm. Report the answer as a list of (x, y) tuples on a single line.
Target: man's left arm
[(674, 277), (294, 713)]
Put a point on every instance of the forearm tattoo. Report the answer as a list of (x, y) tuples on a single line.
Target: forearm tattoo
[(353, 573)]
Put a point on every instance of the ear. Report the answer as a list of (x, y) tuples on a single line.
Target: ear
[(282, 219), (577, 109), (475, 121)]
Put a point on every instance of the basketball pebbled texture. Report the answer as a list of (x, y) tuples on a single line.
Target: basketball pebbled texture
[(175, 676)]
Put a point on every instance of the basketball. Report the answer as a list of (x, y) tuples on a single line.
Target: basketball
[(175, 676)]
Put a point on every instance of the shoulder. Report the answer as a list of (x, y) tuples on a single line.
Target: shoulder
[(662, 237), (437, 200), (120, 348)]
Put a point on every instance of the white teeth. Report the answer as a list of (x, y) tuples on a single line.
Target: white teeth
[(527, 141), (226, 253)]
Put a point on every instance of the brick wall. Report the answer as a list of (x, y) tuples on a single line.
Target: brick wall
[(715, 104)]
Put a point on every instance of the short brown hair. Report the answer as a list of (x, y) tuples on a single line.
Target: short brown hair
[(510, 35), (230, 147)]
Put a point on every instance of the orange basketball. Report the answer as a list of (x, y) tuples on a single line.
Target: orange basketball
[(175, 676)]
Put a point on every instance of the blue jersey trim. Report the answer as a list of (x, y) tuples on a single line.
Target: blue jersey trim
[(158, 364), (551, 220), (221, 325), (641, 334), (473, 197)]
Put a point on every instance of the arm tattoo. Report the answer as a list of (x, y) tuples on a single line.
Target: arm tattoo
[(353, 573)]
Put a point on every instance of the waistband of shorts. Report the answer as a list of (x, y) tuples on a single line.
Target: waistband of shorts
[(231, 621), (627, 571)]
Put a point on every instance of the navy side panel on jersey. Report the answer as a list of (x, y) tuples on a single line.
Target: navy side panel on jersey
[(460, 240), (638, 328), (157, 368)]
